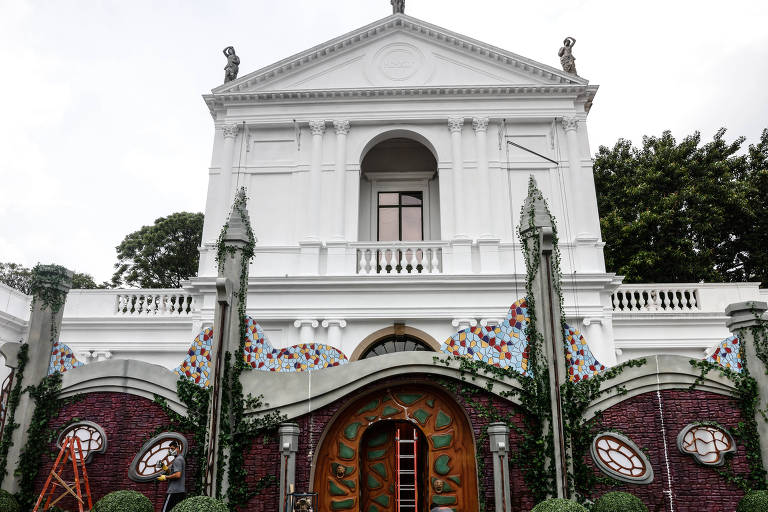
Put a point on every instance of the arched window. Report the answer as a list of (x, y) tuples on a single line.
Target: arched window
[(91, 435), (396, 343), (147, 465)]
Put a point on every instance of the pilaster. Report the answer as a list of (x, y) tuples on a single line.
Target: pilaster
[(455, 125), (306, 328), (744, 320), (51, 283), (313, 199), (340, 179), (537, 230)]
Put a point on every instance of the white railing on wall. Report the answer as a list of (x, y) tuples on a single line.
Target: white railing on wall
[(155, 303), (656, 298), (400, 258)]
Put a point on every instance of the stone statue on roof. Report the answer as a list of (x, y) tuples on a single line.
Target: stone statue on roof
[(567, 60), (233, 64), (398, 6)]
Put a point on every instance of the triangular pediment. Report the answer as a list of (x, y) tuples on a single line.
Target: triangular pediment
[(400, 52)]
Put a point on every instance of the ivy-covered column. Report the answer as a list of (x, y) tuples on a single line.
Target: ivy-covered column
[(745, 320), (545, 330), (50, 285), (234, 252)]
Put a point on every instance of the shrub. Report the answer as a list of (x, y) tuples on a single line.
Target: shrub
[(124, 501), (201, 504), (619, 502), (8, 502), (754, 501), (558, 505)]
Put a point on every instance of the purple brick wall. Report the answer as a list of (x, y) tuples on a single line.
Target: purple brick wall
[(128, 422), (679, 481)]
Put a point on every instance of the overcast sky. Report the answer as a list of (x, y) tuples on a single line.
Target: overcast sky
[(103, 128)]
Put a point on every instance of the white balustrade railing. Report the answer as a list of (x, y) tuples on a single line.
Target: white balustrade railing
[(657, 298), (155, 303), (400, 258)]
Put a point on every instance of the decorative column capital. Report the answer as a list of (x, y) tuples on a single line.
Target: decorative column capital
[(341, 126), (455, 124), (306, 322), (480, 124), (317, 127), (464, 323), (334, 322), (570, 123), (230, 130)]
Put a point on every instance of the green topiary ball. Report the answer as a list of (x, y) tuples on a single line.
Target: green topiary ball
[(8, 502), (619, 502), (754, 501), (558, 505), (201, 504), (124, 501)]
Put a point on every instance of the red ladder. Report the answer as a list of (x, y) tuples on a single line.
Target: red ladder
[(72, 450)]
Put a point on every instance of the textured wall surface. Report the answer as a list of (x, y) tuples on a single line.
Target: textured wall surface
[(680, 483), (128, 421), (313, 425)]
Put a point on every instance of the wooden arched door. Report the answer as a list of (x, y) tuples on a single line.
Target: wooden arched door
[(358, 467)]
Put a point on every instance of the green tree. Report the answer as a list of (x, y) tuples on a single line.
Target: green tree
[(751, 242), (681, 212), (20, 277), (161, 255)]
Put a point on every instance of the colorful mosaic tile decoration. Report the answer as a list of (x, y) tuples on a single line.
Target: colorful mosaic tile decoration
[(296, 358), (259, 355), (506, 345), (581, 362), (197, 365), (62, 359), (727, 354)]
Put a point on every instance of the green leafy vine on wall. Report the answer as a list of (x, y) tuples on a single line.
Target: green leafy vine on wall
[(47, 405), (236, 430), (536, 447), (747, 396), (196, 400), (13, 403)]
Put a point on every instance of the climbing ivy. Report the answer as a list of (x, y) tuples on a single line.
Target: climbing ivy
[(47, 287), (196, 400), (11, 406), (236, 431), (47, 405), (537, 448), (747, 396)]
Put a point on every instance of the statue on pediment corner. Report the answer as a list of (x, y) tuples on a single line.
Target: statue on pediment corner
[(398, 6), (233, 64), (567, 60)]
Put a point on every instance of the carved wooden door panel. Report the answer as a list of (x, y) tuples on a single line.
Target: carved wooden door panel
[(378, 469)]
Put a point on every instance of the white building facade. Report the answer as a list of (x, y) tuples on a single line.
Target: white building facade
[(385, 171)]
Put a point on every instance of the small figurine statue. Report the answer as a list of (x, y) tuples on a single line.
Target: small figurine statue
[(233, 64), (398, 6), (567, 60), (303, 505)]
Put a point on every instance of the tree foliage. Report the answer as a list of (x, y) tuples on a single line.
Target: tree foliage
[(19, 277), (684, 212), (161, 255)]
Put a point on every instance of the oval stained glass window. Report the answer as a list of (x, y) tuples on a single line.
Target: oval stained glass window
[(708, 444), (91, 435), (620, 458), (147, 465)]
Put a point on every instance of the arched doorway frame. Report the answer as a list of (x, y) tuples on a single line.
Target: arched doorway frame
[(472, 485), (395, 330)]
